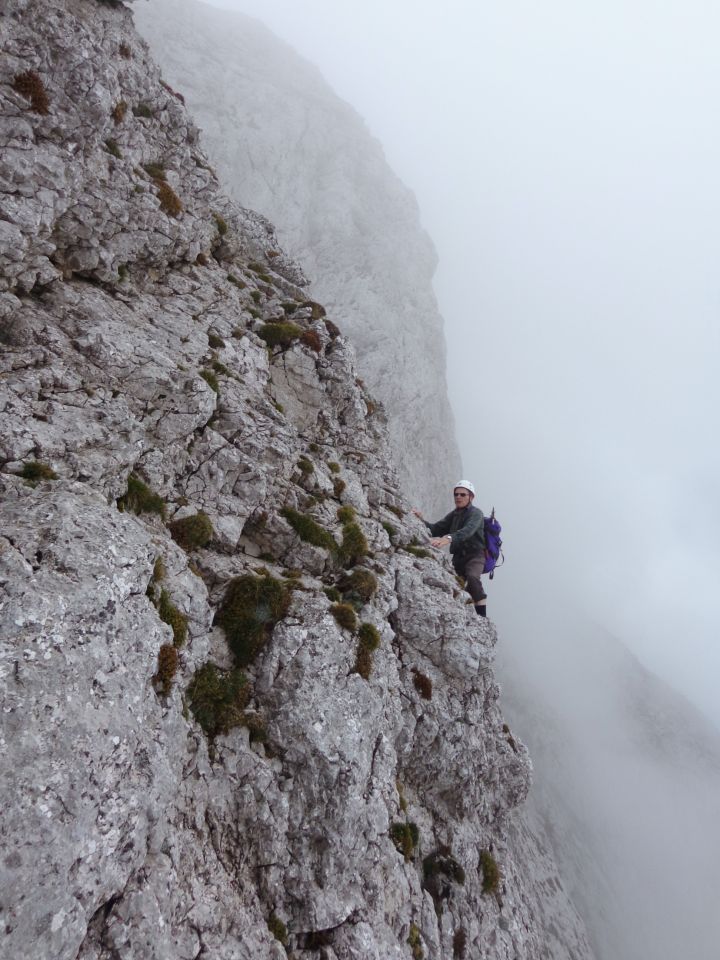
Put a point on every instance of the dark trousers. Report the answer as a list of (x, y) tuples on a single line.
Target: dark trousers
[(471, 568)]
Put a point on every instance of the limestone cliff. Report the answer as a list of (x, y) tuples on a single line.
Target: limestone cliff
[(285, 144), (243, 713)]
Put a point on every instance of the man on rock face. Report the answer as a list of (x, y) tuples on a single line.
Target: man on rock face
[(463, 530)]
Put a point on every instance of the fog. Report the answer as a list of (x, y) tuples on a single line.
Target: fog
[(565, 162)]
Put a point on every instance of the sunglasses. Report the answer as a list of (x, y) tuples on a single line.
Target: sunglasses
[(460, 496)]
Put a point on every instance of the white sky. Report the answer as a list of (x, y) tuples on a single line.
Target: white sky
[(566, 159)]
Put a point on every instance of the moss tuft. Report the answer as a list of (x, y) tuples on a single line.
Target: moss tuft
[(216, 342), (36, 470), (423, 684), (240, 284), (334, 467), (389, 529), (279, 334), (305, 466), (192, 532), (346, 514), (155, 170), (278, 929), (169, 201), (217, 698), (222, 227), (311, 339), (143, 110), (119, 111), (369, 638), (125, 51), (332, 329), (140, 499), (169, 613), (345, 615), (338, 487), (211, 380), (490, 872), (354, 546), (441, 864), (250, 609), (359, 586), (309, 530), (415, 942), (158, 573), (333, 594), (29, 84), (317, 310), (417, 551), (167, 665), (405, 836), (112, 148), (397, 511)]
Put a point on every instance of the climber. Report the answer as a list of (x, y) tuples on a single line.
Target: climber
[(463, 530)]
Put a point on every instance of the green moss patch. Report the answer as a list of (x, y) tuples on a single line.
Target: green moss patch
[(169, 613), (490, 872), (358, 586), (309, 530), (139, 498), (345, 615), (279, 334), (166, 669), (192, 532), (354, 546), (406, 837), (250, 609), (35, 470), (217, 698), (369, 641)]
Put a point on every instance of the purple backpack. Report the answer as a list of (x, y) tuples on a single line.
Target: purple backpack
[(493, 544)]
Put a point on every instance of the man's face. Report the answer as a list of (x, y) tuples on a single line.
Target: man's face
[(462, 497)]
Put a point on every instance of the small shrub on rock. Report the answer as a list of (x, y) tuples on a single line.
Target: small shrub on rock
[(169, 200), (423, 684), (29, 85), (389, 529), (354, 546), (369, 641), (222, 227), (166, 668), (332, 329), (309, 530), (119, 111), (305, 466), (346, 514), (332, 594), (140, 498), (311, 339), (169, 613), (35, 470), (490, 872), (125, 51), (405, 836), (417, 551), (334, 467), (143, 110), (192, 532), (216, 342), (112, 148), (278, 929), (415, 942), (359, 586), (279, 334), (345, 615), (211, 380), (217, 698), (250, 609)]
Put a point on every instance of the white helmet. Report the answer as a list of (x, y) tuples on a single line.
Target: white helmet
[(466, 485)]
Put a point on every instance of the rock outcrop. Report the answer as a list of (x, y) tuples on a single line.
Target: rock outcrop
[(285, 144), (243, 711)]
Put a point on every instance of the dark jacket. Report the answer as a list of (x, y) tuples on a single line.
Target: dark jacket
[(466, 526)]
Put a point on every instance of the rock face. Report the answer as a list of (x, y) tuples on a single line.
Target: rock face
[(242, 711), (284, 143)]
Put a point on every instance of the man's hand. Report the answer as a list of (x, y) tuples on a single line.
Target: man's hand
[(439, 541)]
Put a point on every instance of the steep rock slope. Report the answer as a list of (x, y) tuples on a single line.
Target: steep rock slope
[(241, 711), (286, 144)]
